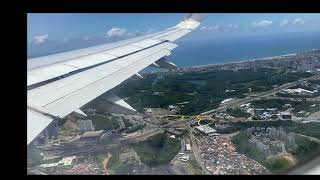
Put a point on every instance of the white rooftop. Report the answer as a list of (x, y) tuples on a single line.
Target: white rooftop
[(206, 129), (298, 90)]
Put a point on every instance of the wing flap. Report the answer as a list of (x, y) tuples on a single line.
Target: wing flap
[(114, 99), (36, 122)]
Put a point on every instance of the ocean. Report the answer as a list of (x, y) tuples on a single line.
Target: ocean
[(221, 51)]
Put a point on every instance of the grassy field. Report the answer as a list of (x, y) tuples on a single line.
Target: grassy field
[(236, 112)]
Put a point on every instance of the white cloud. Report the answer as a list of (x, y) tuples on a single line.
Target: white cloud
[(40, 38), (209, 28), (217, 28), (263, 23), (116, 32), (203, 28), (298, 21), (284, 22)]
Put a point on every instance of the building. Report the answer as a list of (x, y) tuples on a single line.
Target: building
[(86, 125), (204, 129), (66, 161), (148, 111), (285, 116), (171, 107), (227, 100), (265, 113), (184, 157), (298, 91), (91, 135), (188, 147), (258, 111)]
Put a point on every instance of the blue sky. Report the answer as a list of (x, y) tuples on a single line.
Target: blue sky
[(57, 29)]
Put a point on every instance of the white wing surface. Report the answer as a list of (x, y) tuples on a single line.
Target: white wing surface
[(60, 84)]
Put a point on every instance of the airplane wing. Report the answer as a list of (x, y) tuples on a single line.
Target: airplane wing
[(60, 84)]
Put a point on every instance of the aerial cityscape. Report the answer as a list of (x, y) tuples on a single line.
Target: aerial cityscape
[(246, 117)]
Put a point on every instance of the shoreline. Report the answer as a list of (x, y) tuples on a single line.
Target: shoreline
[(276, 57)]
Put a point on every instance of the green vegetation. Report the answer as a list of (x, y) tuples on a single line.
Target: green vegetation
[(274, 163), (204, 96), (309, 129), (135, 128), (104, 123), (306, 148), (205, 121), (317, 82), (158, 149), (279, 103), (242, 146), (278, 164), (115, 157), (236, 112), (256, 117), (123, 168), (126, 122)]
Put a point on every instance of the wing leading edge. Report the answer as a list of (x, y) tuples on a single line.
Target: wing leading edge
[(62, 83)]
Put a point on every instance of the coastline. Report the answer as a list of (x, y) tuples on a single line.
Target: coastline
[(277, 57)]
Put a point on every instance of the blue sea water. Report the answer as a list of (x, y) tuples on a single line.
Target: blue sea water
[(224, 50), (238, 49)]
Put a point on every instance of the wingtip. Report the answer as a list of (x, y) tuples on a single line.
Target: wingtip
[(194, 16)]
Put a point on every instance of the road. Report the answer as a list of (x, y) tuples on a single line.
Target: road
[(258, 96)]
